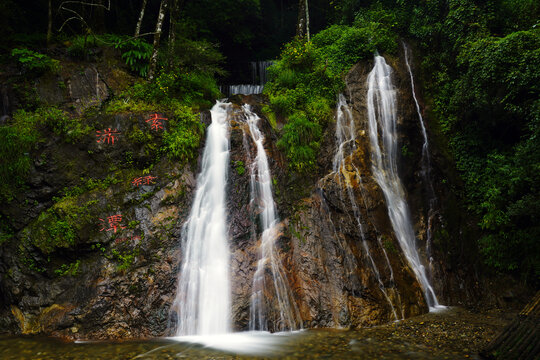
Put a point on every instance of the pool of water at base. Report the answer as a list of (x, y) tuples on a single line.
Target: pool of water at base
[(455, 334)]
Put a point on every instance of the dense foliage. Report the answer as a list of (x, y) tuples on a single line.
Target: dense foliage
[(308, 76), (481, 66)]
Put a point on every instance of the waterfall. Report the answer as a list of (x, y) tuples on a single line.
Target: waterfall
[(345, 140), (259, 77), (259, 71), (345, 133), (244, 89), (382, 117), (203, 299), (261, 196), (425, 162)]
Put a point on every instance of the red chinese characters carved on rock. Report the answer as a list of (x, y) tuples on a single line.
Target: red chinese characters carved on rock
[(156, 122), (143, 180), (114, 223), (108, 135)]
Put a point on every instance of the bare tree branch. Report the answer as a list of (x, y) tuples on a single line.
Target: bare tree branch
[(108, 7)]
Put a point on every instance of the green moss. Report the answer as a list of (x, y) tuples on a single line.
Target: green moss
[(389, 245), (71, 269), (239, 167), (133, 224)]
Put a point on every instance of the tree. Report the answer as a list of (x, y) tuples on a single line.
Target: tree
[(157, 36), (141, 15), (302, 27), (173, 18), (49, 24)]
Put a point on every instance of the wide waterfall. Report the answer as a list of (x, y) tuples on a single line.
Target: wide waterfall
[(203, 299), (261, 197), (382, 117)]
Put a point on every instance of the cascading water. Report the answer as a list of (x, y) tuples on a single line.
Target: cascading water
[(261, 190), (259, 75), (259, 71), (382, 117), (425, 161), (345, 133), (345, 139), (203, 299)]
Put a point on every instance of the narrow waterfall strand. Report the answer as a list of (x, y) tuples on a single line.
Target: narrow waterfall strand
[(261, 185), (425, 161)]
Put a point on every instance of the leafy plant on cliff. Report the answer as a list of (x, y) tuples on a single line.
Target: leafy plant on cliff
[(182, 140), (34, 62), (71, 269), (306, 79)]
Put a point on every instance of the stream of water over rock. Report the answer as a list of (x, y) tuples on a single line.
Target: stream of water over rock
[(203, 299), (425, 162), (382, 119), (262, 198)]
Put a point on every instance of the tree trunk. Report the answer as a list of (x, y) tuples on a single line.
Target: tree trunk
[(49, 25), (157, 36), (302, 27), (173, 16), (139, 22), (307, 20)]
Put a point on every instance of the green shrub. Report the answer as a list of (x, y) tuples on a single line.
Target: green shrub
[(79, 46), (195, 56), (34, 62), (305, 81), (300, 141), (136, 53), (17, 140), (318, 110), (182, 140)]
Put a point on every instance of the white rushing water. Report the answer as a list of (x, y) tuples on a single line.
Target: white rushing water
[(203, 299), (382, 117), (261, 196), (345, 133), (259, 77)]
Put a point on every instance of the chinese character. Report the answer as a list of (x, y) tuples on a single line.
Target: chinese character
[(133, 238), (119, 240), (156, 122), (144, 180), (107, 135), (114, 223)]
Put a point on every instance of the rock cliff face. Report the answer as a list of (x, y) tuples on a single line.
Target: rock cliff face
[(339, 252)]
